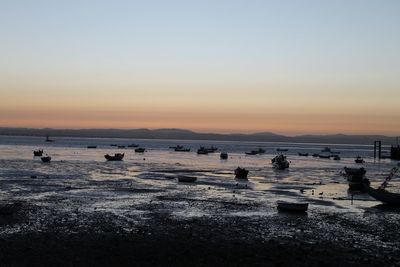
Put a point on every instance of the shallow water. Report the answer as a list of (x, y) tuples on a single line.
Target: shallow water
[(80, 178)]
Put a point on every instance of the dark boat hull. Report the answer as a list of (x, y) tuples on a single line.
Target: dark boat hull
[(381, 194), (116, 157)]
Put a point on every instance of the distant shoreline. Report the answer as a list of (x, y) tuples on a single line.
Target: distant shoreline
[(181, 134)]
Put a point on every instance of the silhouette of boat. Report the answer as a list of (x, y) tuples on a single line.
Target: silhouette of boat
[(140, 150), (381, 194), (241, 173), (324, 156), (223, 155), (46, 159), (187, 179), (282, 149), (182, 149), (116, 157), (202, 151), (303, 154), (48, 139), (121, 146), (355, 177), (253, 152), (326, 149), (38, 153), (359, 160), (280, 162), (91, 146), (315, 155), (336, 157), (292, 206), (133, 145)]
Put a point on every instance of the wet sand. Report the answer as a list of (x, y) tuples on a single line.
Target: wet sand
[(161, 227)]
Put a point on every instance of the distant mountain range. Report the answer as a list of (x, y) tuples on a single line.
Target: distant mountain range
[(190, 135)]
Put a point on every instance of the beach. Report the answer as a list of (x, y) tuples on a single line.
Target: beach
[(82, 210)]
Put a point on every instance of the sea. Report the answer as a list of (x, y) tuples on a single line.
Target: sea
[(76, 170)]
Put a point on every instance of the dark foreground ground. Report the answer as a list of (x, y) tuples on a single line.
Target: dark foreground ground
[(40, 236)]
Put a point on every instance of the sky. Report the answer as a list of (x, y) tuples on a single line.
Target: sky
[(289, 67)]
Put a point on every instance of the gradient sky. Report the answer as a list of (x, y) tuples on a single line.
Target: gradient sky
[(290, 67)]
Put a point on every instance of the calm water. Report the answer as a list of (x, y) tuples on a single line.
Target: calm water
[(75, 166)]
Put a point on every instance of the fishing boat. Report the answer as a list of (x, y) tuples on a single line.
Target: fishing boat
[(38, 153), (116, 157), (140, 150), (355, 177), (303, 154), (187, 179), (253, 152), (223, 155), (182, 149), (359, 160), (292, 206), (381, 194), (280, 162), (91, 146), (202, 151), (46, 159), (241, 173), (48, 139), (133, 145)]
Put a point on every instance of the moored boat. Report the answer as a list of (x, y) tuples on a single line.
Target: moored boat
[(355, 177), (133, 145), (38, 153), (140, 150), (116, 157), (336, 157), (280, 162), (186, 179), (282, 149), (202, 151), (241, 173), (324, 156), (91, 146), (46, 159), (381, 194), (359, 160), (303, 154), (223, 155), (182, 149), (292, 206)]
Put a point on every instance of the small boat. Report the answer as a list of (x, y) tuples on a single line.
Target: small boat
[(113, 145), (187, 179), (326, 149), (315, 155), (292, 206), (133, 145), (46, 159), (38, 153), (324, 156), (116, 157), (202, 151), (223, 155), (253, 152), (280, 162), (336, 157), (211, 149), (48, 139), (282, 149), (182, 149), (121, 146), (140, 150), (355, 177), (91, 146), (303, 154), (381, 194), (359, 160), (241, 173)]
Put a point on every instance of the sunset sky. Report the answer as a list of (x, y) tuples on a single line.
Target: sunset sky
[(290, 67)]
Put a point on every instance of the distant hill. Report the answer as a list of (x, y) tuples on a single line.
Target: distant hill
[(190, 135)]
